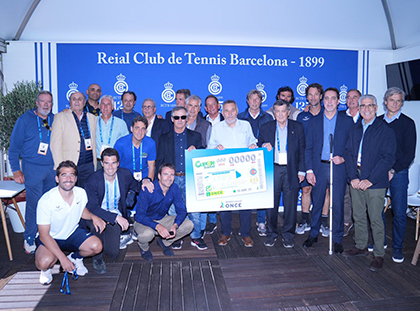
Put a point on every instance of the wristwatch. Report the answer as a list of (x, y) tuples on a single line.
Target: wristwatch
[(392, 171)]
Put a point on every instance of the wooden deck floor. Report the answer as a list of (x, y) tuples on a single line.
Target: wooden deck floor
[(221, 278)]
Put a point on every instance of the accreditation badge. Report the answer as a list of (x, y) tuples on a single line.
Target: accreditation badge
[(359, 159), (137, 176), (88, 144), (43, 148), (282, 157)]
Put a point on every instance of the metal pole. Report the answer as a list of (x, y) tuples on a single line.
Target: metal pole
[(331, 194)]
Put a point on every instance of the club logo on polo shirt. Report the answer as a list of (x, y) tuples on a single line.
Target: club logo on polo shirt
[(301, 88), (120, 86), (168, 94), (215, 87), (260, 87), (343, 95), (72, 89)]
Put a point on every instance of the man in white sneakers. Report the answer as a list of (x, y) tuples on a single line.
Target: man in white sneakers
[(58, 214)]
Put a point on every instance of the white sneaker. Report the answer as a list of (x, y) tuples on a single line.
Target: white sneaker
[(78, 264), (45, 277), (325, 231), (30, 246), (262, 230), (125, 239)]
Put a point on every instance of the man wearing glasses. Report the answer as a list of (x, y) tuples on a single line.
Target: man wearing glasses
[(370, 154), (30, 141), (171, 149)]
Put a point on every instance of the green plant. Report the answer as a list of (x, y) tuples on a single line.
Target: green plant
[(13, 105)]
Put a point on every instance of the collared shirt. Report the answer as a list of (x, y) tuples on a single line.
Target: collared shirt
[(280, 142), (180, 143), (150, 126), (329, 128), (119, 129), (356, 116), (89, 108), (215, 121), (388, 120), (154, 206), (63, 218), (240, 136), (126, 117), (112, 196), (193, 125)]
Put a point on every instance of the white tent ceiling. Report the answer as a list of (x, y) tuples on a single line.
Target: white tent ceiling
[(352, 24)]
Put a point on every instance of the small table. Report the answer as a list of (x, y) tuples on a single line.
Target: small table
[(9, 189)]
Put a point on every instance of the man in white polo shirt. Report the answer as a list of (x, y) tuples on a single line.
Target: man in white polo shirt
[(58, 214)]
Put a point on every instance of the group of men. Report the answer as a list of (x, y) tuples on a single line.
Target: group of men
[(123, 160)]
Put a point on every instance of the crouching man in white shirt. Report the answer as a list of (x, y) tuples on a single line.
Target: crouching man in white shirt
[(58, 214)]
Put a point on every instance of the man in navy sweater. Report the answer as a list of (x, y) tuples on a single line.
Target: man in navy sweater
[(405, 133), (30, 141), (369, 156)]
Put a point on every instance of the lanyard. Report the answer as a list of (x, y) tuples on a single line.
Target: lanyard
[(80, 126), (39, 129), (115, 194), (278, 140), (66, 282), (141, 157), (110, 131)]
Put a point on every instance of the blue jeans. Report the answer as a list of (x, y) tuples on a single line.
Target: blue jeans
[(398, 187), (38, 180), (212, 219), (194, 217), (261, 214)]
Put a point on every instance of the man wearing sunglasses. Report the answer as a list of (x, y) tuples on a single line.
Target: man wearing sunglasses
[(172, 146), (30, 141)]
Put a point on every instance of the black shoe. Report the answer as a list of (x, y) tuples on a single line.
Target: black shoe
[(177, 244), (270, 241), (288, 243), (167, 251), (376, 264), (199, 243), (338, 248), (210, 228), (99, 266), (310, 241), (146, 255)]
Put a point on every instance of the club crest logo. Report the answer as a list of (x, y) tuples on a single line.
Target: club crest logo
[(301, 88), (215, 87), (120, 86), (260, 87), (168, 94), (343, 94), (72, 89)]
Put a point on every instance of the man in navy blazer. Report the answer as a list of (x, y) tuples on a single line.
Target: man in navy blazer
[(156, 127), (107, 191), (317, 157), (172, 146), (287, 140)]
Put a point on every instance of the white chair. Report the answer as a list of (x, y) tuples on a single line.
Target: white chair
[(413, 198)]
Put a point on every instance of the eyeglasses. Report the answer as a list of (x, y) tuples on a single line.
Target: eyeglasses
[(178, 117), (46, 124), (370, 106), (148, 107)]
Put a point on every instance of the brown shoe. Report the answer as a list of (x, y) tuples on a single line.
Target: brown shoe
[(377, 263), (223, 240), (355, 252), (248, 241)]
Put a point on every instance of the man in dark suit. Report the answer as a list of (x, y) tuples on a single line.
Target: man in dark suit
[(171, 150), (317, 157), (156, 127), (107, 191), (194, 122), (287, 139)]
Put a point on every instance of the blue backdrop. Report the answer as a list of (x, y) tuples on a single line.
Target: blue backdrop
[(228, 72)]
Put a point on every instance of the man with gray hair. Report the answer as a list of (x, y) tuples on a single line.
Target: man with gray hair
[(30, 141), (370, 154), (194, 122), (73, 137), (405, 133), (256, 117), (109, 128), (157, 127)]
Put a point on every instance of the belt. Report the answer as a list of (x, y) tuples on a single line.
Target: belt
[(326, 161), (281, 165), (179, 174)]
